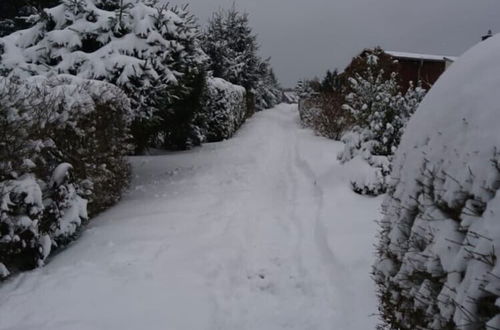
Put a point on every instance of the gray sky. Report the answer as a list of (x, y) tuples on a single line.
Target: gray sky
[(307, 37)]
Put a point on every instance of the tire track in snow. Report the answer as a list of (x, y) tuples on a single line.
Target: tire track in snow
[(293, 199), (335, 268)]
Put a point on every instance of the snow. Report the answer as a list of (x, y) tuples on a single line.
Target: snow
[(447, 170), (421, 56), (258, 232), (370, 180), (153, 37), (221, 84), (28, 187), (3, 271), (60, 174), (291, 97)]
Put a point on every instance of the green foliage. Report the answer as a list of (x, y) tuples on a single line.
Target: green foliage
[(233, 51), (14, 13)]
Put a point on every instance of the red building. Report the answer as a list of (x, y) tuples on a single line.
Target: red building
[(420, 67)]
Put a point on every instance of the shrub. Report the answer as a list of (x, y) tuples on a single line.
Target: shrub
[(320, 106), (62, 146), (308, 111), (379, 113), (331, 120), (225, 109)]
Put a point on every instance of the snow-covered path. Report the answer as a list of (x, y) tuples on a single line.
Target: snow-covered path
[(260, 232)]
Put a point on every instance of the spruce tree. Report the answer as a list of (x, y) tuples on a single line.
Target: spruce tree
[(380, 113), (14, 14), (331, 82), (150, 51), (232, 48)]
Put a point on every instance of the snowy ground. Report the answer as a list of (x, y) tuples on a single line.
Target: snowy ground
[(260, 232)]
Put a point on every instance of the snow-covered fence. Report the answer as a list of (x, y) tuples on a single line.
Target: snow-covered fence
[(438, 256), (61, 149)]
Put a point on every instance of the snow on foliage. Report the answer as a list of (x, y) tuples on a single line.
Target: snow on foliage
[(151, 51), (439, 248), (225, 109), (46, 122), (308, 103), (233, 50), (268, 92), (145, 49), (232, 47), (380, 113)]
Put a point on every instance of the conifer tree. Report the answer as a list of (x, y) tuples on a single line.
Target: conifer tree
[(380, 113), (150, 51), (14, 14), (232, 47), (331, 82)]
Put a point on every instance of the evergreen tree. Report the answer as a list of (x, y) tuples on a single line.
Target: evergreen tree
[(232, 47), (331, 82), (380, 113), (14, 14), (372, 107), (152, 52), (268, 91)]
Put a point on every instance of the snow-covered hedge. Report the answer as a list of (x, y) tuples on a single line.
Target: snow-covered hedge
[(224, 109), (438, 257), (62, 148)]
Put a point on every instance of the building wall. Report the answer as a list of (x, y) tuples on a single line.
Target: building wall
[(426, 71)]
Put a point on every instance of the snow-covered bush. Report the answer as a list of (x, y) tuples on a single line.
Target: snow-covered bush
[(308, 111), (149, 51), (21, 210), (309, 102), (439, 246), (224, 109), (371, 176), (379, 113), (374, 169), (371, 104), (62, 145)]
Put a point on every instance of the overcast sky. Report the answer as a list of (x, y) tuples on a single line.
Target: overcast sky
[(307, 37)]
